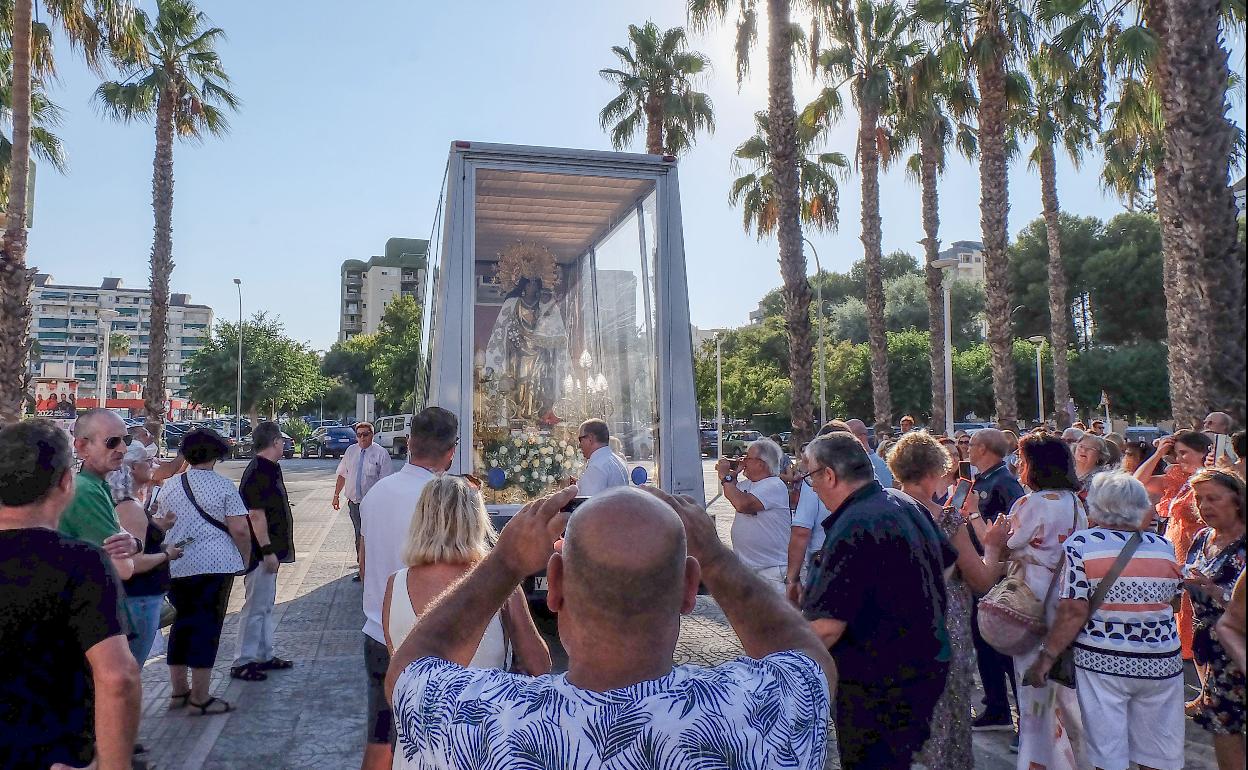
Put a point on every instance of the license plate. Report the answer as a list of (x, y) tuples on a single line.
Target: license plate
[(540, 583)]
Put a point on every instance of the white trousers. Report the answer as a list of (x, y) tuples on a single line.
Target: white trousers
[(255, 622), (773, 577)]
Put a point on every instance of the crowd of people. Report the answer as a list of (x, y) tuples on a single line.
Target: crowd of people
[(870, 580)]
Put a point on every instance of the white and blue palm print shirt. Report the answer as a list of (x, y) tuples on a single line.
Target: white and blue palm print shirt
[(747, 714)]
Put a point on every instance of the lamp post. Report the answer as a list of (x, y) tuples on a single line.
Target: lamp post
[(101, 377), (238, 402), (947, 266), (719, 402), (823, 418), (1038, 341)]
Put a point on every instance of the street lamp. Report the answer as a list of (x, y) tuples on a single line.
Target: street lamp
[(1038, 341), (238, 403), (105, 317), (719, 402), (823, 417), (947, 266)]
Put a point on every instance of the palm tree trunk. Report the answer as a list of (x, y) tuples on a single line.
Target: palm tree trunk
[(1059, 308), (869, 162), (782, 138), (1177, 336), (935, 287), (654, 125), (15, 277), (162, 258), (1199, 145), (994, 204)]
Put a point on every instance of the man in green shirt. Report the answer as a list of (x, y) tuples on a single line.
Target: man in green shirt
[(100, 439)]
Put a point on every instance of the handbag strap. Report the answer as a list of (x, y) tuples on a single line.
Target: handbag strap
[(186, 485), (1107, 582)]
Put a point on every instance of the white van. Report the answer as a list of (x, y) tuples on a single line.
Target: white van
[(391, 433)]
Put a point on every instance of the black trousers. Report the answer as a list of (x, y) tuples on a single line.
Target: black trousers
[(882, 725), (196, 633), (994, 669)]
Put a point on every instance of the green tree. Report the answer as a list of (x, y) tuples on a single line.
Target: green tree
[(756, 192), (784, 40), (119, 345), (935, 94), (396, 355), (1029, 270), (656, 83), (987, 36), (177, 79), (1057, 115), (874, 45), (91, 26), (278, 372), (350, 361), (1127, 311)]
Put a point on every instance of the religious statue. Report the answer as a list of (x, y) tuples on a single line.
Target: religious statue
[(527, 353)]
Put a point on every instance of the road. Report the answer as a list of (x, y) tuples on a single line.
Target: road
[(313, 715)]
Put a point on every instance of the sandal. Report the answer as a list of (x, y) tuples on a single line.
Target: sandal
[(211, 707), (275, 664), (179, 701), (249, 672)]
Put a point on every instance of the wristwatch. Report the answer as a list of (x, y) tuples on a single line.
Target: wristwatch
[(730, 479), (266, 550)]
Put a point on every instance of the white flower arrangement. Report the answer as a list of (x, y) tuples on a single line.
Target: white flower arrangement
[(531, 461)]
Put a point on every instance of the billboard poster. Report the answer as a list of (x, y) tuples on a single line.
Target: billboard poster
[(56, 398)]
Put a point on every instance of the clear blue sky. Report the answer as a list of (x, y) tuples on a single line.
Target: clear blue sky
[(348, 113)]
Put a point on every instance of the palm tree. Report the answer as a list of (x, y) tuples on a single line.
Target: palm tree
[(990, 35), (1208, 256), (784, 38), (755, 191), (874, 46), (656, 86), (933, 97), (1056, 114), (89, 25), (177, 79), (119, 345)]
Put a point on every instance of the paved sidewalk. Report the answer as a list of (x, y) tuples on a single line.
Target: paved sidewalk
[(312, 716)]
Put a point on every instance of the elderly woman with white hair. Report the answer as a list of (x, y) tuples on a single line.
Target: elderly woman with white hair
[(1092, 456), (761, 528), (1117, 607)]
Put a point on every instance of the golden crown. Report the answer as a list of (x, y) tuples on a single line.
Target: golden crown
[(527, 260)]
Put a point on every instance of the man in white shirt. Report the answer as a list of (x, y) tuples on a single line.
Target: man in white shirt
[(385, 517), (761, 528), (622, 702), (882, 473), (603, 468), (362, 465)]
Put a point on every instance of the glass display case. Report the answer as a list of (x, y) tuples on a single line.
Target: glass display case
[(558, 295)]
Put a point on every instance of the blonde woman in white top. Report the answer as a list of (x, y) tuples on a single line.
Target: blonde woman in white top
[(450, 533)]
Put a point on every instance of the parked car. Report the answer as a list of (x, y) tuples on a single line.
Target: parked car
[(1144, 434), (243, 447), (971, 428), (328, 441), (737, 441), (390, 433), (710, 446)]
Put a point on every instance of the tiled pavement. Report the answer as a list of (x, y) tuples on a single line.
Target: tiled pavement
[(312, 716)]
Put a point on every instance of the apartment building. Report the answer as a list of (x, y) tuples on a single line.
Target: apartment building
[(367, 287), (68, 328), (970, 256)]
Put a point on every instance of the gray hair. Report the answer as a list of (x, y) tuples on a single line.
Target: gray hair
[(1117, 499), (1101, 446), (1072, 434), (844, 455), (992, 440), (770, 453)]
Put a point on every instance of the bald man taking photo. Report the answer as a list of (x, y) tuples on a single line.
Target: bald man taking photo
[(622, 698)]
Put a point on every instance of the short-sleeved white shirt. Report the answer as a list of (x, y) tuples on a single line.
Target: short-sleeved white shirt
[(750, 714), (810, 514), (377, 465), (385, 518), (762, 539), (603, 471), (212, 551)]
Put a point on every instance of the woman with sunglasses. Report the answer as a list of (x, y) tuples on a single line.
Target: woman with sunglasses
[(449, 534)]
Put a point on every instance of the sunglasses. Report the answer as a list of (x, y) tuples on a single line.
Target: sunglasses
[(112, 442), (472, 480), (363, 433)]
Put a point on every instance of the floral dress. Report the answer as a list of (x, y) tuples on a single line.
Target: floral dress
[(1178, 503), (1222, 695), (949, 746)]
